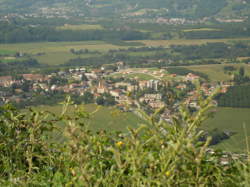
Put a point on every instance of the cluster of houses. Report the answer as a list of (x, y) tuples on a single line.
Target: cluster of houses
[(80, 80)]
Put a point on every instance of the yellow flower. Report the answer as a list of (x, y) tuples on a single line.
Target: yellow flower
[(119, 144), (167, 173)]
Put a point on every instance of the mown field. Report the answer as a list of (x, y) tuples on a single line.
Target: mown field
[(189, 42), (107, 118), (80, 27), (56, 53), (215, 72), (231, 120)]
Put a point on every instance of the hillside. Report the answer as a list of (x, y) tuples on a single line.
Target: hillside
[(192, 9)]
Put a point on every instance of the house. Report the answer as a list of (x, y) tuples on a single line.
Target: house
[(115, 93), (192, 77), (132, 88), (124, 100), (150, 97), (34, 77), (156, 104), (6, 81), (181, 86), (143, 84), (120, 65)]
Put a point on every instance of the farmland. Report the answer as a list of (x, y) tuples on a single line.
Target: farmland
[(56, 53), (231, 120), (107, 118), (80, 27), (189, 42), (215, 72)]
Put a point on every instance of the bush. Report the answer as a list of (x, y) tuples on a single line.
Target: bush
[(158, 154)]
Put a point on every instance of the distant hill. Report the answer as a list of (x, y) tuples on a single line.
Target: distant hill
[(193, 9)]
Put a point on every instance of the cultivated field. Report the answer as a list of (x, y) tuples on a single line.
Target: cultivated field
[(55, 53), (231, 120)]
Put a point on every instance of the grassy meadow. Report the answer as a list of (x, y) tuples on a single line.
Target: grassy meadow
[(107, 118), (167, 43), (80, 27), (231, 120), (215, 72), (56, 53)]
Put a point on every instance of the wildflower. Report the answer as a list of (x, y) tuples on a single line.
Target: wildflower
[(119, 144), (167, 173)]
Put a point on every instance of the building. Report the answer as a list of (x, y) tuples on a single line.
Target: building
[(102, 87), (34, 77), (6, 81), (192, 77), (115, 93), (156, 104), (153, 84)]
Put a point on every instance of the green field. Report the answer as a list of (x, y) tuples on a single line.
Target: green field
[(80, 27), (140, 76), (107, 118), (232, 120), (6, 52), (201, 29), (189, 42), (56, 53), (215, 72)]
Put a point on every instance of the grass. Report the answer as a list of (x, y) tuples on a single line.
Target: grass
[(58, 52), (232, 120), (140, 76), (215, 72), (6, 52), (107, 118), (80, 27), (201, 29), (188, 42)]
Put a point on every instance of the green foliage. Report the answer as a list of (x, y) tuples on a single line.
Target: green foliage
[(156, 155)]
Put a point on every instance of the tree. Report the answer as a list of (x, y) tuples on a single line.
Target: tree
[(88, 97), (242, 72), (100, 100)]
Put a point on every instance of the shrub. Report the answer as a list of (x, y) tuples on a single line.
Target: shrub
[(158, 154)]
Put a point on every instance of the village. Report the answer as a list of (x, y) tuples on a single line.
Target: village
[(126, 88)]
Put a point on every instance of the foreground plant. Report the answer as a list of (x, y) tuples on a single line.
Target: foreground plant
[(158, 154)]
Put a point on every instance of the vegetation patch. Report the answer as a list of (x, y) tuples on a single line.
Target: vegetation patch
[(80, 27), (231, 120)]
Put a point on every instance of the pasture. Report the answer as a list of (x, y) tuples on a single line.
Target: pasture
[(215, 72), (166, 43), (56, 53), (80, 27), (105, 118), (201, 29), (231, 120)]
